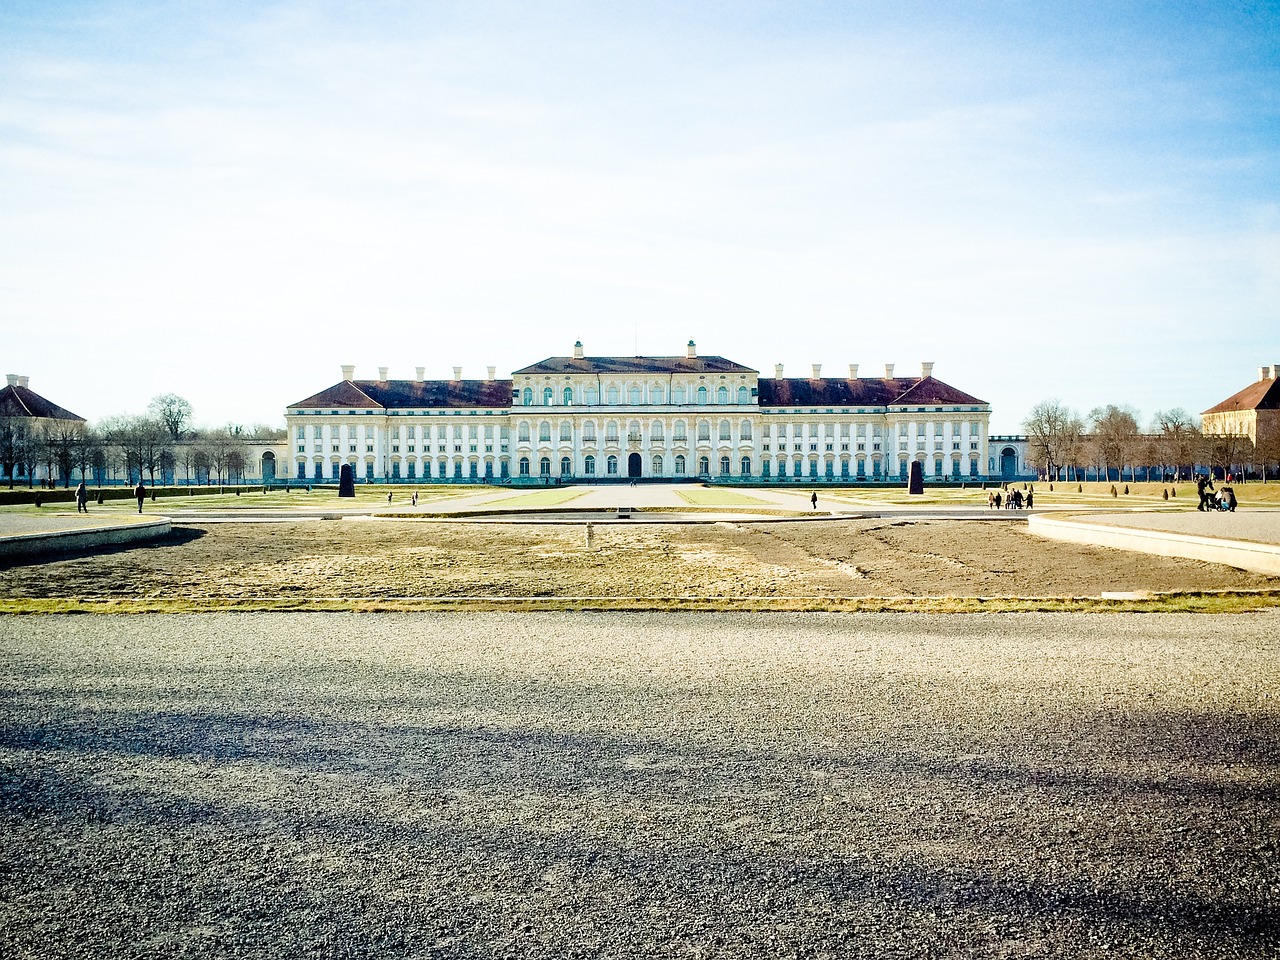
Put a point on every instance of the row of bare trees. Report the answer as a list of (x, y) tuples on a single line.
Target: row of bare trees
[(1109, 441), (158, 446)]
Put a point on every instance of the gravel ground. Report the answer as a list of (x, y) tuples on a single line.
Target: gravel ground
[(639, 785), (377, 558)]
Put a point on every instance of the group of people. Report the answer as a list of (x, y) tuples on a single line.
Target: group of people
[(1210, 499), (1016, 500)]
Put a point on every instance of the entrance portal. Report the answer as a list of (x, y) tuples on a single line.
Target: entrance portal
[(1008, 463), (633, 465)]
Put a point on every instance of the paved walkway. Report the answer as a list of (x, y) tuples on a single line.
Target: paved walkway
[(27, 535), (1257, 526), (1247, 539)]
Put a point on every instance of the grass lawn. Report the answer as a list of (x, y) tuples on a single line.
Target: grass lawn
[(716, 497), (200, 498), (551, 497)]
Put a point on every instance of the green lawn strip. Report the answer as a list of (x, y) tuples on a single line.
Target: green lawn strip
[(714, 497), (1195, 602)]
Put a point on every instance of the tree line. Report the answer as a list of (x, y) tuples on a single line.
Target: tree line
[(1108, 441), (161, 445)]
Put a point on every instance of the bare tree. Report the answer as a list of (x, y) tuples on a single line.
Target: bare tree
[(1115, 430), (1179, 439), (173, 412), (63, 441), (1053, 430)]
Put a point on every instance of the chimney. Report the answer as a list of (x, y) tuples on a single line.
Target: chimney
[(457, 373), (492, 371), (577, 351), (382, 374), (692, 350), (817, 371), (12, 378), (926, 369), (888, 371), (22, 382), (348, 371), (420, 373), (853, 371), (1267, 373), (777, 371)]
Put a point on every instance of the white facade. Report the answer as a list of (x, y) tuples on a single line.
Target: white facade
[(659, 418)]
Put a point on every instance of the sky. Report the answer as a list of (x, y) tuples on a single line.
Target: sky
[(228, 200)]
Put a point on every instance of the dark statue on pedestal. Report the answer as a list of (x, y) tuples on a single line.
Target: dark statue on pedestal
[(347, 481)]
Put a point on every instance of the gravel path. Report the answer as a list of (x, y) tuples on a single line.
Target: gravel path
[(603, 785)]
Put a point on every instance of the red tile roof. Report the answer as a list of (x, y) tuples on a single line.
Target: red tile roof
[(863, 391), (377, 394), (1259, 395), (18, 401)]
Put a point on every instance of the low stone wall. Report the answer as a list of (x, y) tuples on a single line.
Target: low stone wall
[(26, 545), (1242, 554)]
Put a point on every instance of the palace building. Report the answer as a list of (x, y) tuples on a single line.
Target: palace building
[(583, 419)]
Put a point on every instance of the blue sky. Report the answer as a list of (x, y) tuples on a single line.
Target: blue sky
[(228, 200)]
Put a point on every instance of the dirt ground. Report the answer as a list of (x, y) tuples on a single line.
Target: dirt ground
[(384, 558)]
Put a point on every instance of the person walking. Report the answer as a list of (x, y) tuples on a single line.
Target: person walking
[(140, 494), (814, 499), (82, 498), (1030, 498)]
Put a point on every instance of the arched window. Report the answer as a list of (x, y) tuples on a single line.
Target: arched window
[(746, 466), (522, 431), (612, 394), (566, 430), (633, 431), (547, 396), (657, 466), (566, 467), (725, 430), (724, 466), (589, 465), (611, 466), (704, 430), (655, 394), (679, 432), (782, 466), (589, 431), (744, 430), (474, 471), (655, 430), (528, 396), (744, 395), (568, 396), (722, 394), (680, 465), (677, 395), (592, 396), (544, 431), (457, 469), (704, 466), (633, 396), (611, 431), (544, 466), (702, 396)]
